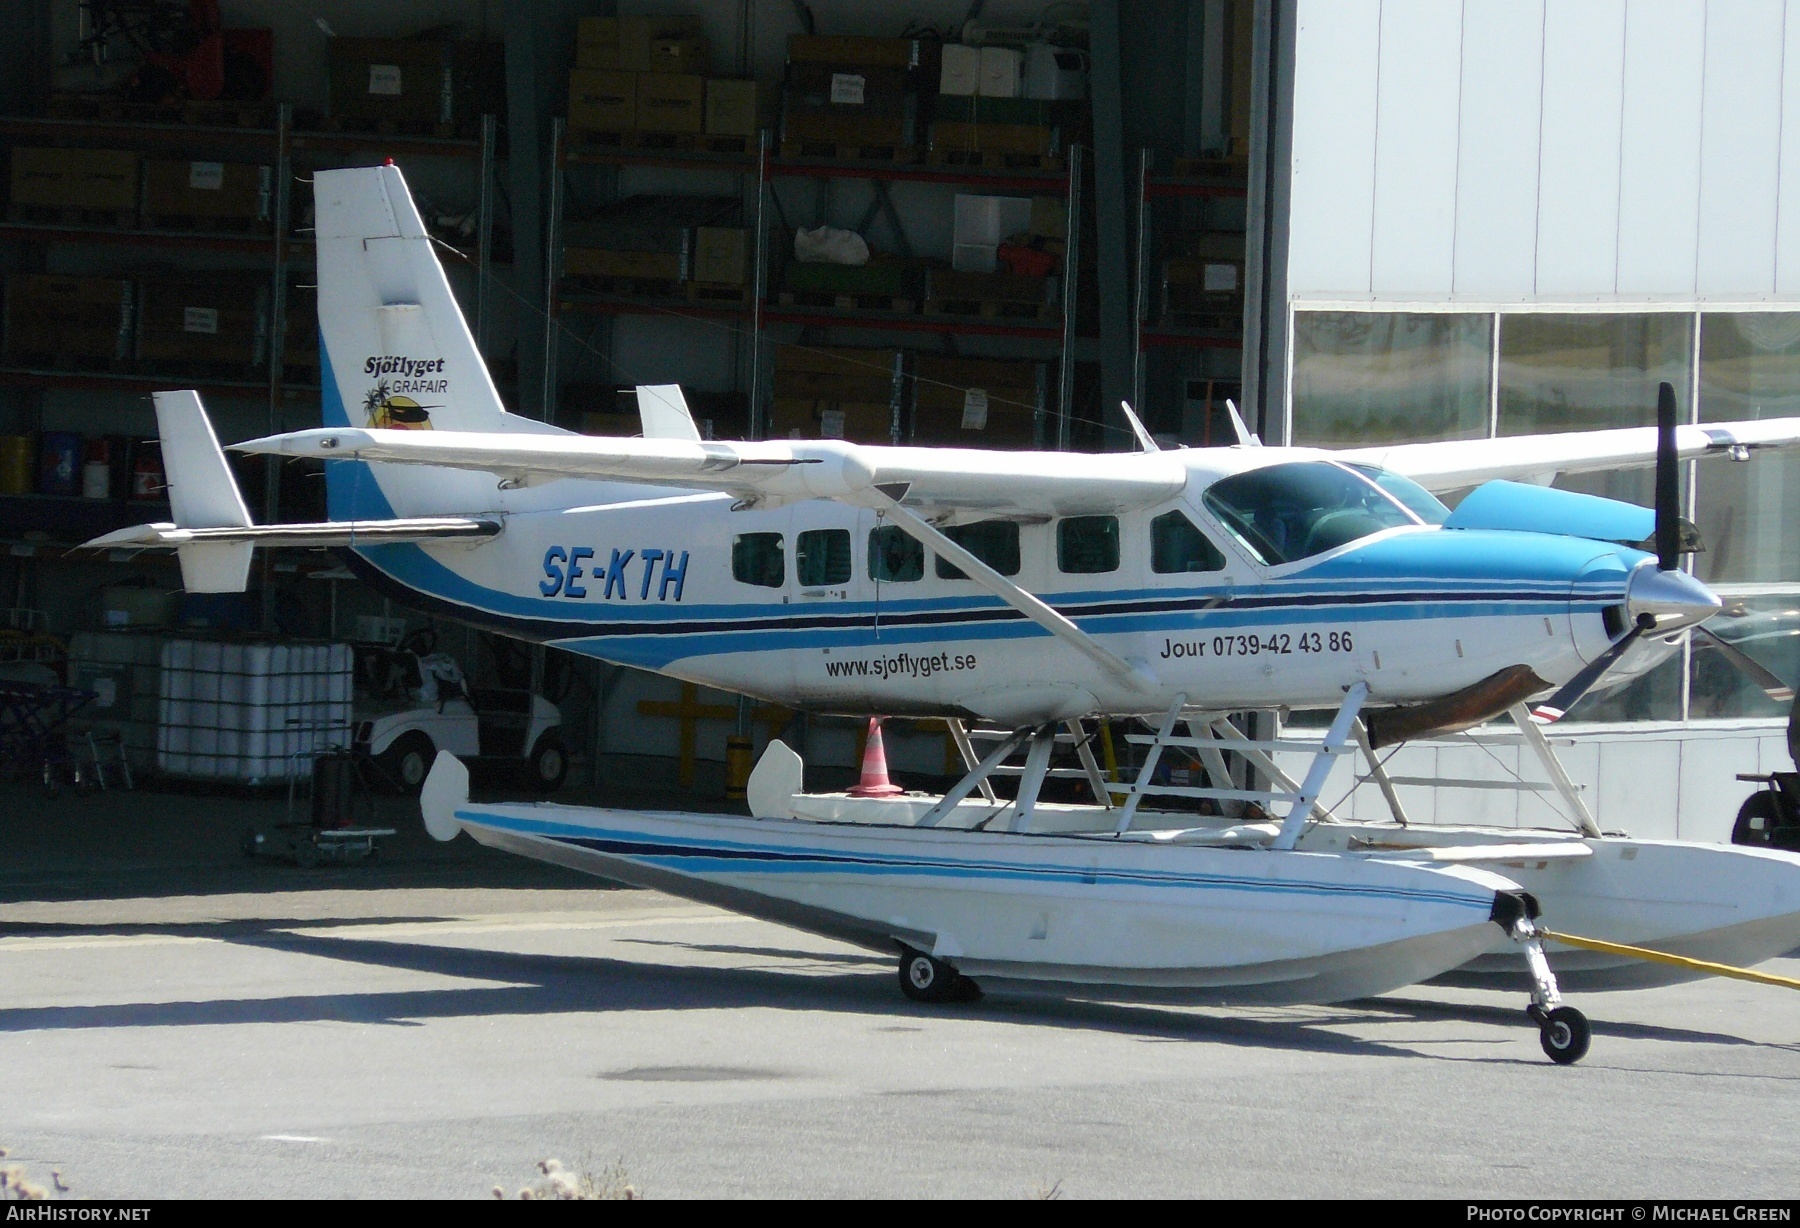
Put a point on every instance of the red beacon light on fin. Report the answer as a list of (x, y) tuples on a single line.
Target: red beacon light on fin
[(387, 161)]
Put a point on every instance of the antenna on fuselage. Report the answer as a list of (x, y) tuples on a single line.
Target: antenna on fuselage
[(1145, 443), (1244, 436)]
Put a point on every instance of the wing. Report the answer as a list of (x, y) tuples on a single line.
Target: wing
[(1469, 462), (966, 482)]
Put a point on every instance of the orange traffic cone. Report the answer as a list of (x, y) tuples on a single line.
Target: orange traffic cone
[(875, 782)]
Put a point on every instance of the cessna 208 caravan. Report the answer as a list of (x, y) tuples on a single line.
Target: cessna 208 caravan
[(1033, 591)]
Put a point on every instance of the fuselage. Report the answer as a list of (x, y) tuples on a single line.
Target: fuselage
[(817, 604)]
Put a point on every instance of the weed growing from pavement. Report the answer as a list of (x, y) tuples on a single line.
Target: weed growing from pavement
[(613, 1184), (16, 1184)]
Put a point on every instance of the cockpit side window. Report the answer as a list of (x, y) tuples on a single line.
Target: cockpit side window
[(1176, 546), (1289, 512)]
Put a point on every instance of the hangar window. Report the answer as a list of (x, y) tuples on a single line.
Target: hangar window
[(994, 542), (821, 557), (894, 556), (1176, 546), (1288, 512), (1087, 545), (756, 558)]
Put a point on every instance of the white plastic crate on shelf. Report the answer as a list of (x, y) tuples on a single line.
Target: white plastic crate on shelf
[(252, 713)]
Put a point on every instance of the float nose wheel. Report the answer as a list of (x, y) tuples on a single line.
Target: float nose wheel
[(1563, 1032), (924, 979)]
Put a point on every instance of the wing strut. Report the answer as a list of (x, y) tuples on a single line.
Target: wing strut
[(916, 526)]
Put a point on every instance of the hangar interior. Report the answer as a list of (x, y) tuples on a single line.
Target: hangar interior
[(1362, 220)]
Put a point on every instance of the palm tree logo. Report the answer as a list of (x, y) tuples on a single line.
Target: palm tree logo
[(396, 413)]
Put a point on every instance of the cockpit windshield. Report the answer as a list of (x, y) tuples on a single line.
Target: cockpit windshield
[(1414, 497), (1288, 512)]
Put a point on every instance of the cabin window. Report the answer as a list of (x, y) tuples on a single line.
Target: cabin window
[(821, 557), (1176, 546), (1087, 545), (1283, 513), (894, 556), (756, 558), (994, 542)]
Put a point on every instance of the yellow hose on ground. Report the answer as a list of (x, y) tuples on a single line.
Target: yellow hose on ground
[(1678, 961)]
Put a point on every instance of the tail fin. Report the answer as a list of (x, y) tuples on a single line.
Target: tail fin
[(395, 350), (202, 494)]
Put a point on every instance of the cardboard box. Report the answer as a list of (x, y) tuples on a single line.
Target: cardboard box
[(974, 402), (74, 178), (850, 49), (732, 108), (959, 74), (597, 43), (601, 101), (838, 373), (1030, 140), (948, 284), (671, 102), (403, 80), (856, 421), (721, 255), (636, 37), (607, 262), (237, 191), (861, 90), (68, 317), (685, 55), (213, 318), (1000, 69)]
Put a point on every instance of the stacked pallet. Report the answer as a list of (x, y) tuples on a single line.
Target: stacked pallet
[(661, 247), (854, 98), (974, 402), (641, 82), (833, 393)]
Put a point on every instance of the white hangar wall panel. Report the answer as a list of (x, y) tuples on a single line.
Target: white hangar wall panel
[(1413, 234), (1497, 138), (1337, 63), (1518, 151)]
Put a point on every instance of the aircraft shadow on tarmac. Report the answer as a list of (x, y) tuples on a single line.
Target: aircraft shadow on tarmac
[(552, 984)]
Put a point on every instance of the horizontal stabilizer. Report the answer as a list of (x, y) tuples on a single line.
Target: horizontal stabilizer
[(322, 533)]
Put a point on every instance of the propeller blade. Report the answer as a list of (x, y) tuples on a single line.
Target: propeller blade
[(1753, 669), (1558, 705), (1668, 481)]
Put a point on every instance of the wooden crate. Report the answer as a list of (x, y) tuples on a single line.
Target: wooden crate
[(853, 49), (838, 373)]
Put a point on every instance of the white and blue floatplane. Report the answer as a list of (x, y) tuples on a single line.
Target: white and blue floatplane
[(1034, 592)]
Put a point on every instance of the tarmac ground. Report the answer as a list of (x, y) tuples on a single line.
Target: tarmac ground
[(176, 1021)]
